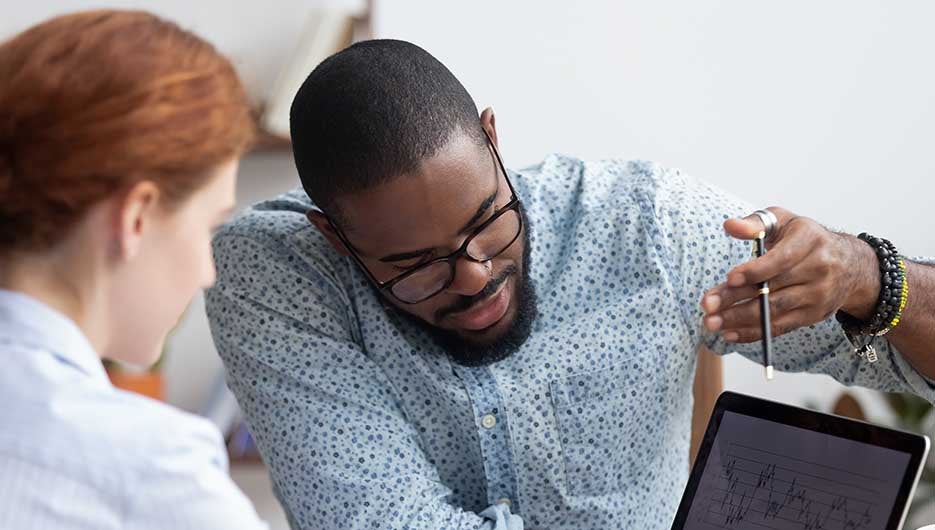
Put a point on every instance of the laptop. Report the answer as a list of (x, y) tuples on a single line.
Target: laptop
[(767, 466)]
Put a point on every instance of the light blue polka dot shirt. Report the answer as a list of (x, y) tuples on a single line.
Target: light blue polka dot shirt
[(366, 424)]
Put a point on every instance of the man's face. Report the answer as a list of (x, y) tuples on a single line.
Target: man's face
[(429, 213)]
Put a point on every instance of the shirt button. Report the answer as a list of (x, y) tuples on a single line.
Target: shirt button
[(505, 501), (488, 421)]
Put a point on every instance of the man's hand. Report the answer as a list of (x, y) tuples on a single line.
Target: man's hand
[(812, 273)]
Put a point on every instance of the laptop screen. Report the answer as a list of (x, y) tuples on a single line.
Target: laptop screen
[(763, 475)]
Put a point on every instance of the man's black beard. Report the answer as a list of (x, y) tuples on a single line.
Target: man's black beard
[(467, 353)]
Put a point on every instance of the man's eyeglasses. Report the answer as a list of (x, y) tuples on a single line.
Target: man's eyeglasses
[(486, 242)]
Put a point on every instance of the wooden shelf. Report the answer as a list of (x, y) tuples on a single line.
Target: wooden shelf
[(268, 142), (360, 27)]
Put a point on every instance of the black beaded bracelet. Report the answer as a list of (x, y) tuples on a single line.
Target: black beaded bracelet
[(893, 291)]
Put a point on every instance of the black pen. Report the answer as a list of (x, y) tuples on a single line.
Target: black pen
[(759, 246)]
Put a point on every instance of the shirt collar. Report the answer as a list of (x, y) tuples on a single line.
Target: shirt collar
[(29, 322)]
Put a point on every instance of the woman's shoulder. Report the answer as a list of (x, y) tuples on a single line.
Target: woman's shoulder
[(103, 426), (107, 440), (148, 430)]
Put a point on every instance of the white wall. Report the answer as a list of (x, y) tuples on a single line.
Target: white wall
[(822, 107)]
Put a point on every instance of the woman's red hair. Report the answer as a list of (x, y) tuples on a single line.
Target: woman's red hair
[(93, 102)]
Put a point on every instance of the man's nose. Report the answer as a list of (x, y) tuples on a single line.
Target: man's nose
[(470, 277)]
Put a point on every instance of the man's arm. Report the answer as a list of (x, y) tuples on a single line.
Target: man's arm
[(813, 273), (692, 216), (914, 337), (339, 448)]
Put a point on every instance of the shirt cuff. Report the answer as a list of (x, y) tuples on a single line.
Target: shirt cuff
[(499, 518)]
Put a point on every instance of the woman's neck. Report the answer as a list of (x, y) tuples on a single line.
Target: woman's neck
[(65, 285)]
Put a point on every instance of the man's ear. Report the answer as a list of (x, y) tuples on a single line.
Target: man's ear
[(134, 212), (324, 226), (489, 122)]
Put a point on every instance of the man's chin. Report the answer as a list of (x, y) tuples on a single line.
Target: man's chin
[(497, 342)]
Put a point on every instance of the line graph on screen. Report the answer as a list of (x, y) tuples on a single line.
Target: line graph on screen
[(764, 490)]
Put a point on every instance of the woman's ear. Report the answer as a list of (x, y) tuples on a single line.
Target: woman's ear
[(324, 226), (489, 122), (134, 214)]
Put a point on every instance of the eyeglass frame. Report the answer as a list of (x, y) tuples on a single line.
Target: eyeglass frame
[(452, 258)]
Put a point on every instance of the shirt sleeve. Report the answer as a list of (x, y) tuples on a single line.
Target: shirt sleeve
[(698, 254), (183, 482), (339, 447)]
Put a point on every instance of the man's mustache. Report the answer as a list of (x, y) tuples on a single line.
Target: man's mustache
[(465, 302)]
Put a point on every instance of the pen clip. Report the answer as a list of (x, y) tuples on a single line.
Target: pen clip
[(759, 245)]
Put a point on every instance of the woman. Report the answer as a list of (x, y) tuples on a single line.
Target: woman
[(119, 140)]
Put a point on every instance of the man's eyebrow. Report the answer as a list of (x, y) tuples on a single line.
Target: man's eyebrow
[(481, 210), (406, 255)]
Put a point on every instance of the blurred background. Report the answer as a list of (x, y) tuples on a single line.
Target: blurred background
[(825, 108)]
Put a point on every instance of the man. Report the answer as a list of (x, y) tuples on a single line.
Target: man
[(432, 341)]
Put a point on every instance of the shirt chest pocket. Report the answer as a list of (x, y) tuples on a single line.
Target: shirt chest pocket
[(609, 425)]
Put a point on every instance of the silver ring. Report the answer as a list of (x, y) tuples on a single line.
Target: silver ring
[(769, 220)]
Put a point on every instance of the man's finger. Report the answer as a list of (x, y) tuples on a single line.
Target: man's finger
[(747, 314), (787, 253), (722, 296), (784, 324), (751, 225)]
